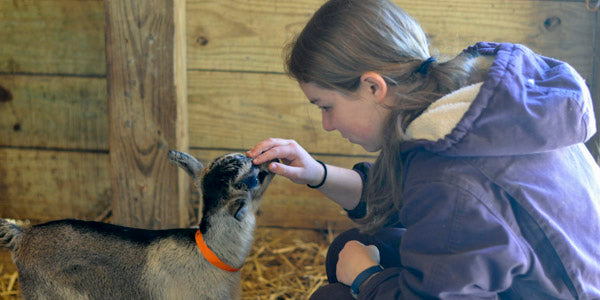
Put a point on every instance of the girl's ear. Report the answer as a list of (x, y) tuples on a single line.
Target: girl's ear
[(374, 86)]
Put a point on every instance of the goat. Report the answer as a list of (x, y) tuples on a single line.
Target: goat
[(75, 259)]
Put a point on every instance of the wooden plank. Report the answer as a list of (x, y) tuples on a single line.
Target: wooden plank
[(243, 35), (49, 185), (290, 205), (237, 110), (558, 29), (249, 35), (226, 110), (41, 36), (53, 112), (52, 37), (146, 99), (594, 143)]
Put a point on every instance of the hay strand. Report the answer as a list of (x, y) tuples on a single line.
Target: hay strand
[(284, 265)]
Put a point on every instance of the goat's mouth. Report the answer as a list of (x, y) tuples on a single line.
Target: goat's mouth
[(264, 171), (262, 175)]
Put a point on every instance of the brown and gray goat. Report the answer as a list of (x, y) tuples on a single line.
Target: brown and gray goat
[(74, 259)]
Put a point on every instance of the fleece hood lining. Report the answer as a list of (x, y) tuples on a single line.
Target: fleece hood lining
[(442, 116)]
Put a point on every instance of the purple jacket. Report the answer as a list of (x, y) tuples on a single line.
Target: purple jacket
[(507, 205)]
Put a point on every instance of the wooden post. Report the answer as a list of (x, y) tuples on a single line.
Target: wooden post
[(594, 143), (147, 108)]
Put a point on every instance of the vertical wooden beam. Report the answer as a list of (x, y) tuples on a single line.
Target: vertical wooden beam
[(594, 143), (596, 85), (147, 108)]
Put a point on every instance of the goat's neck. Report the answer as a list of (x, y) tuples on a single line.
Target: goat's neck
[(230, 239)]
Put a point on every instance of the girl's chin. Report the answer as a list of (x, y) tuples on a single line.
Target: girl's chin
[(369, 148)]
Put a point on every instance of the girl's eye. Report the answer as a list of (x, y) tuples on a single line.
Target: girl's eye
[(325, 108)]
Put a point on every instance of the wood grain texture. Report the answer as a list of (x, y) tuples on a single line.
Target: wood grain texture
[(46, 185), (237, 110), (66, 36), (226, 110), (53, 112), (249, 35), (146, 105), (52, 37), (558, 29)]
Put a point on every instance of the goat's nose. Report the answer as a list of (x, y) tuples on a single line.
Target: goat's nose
[(266, 165), (262, 167)]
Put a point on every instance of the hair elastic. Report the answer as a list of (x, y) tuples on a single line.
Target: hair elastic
[(425, 65), (362, 277), (324, 176)]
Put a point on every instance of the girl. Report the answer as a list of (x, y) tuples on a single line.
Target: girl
[(482, 189)]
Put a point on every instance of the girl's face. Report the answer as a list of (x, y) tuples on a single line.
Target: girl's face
[(359, 117)]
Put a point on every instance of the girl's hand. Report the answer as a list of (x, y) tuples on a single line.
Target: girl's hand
[(353, 259), (296, 164)]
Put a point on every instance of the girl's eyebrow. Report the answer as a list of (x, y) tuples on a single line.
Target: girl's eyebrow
[(314, 101)]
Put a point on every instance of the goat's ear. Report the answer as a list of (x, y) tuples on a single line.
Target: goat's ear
[(238, 209), (187, 162)]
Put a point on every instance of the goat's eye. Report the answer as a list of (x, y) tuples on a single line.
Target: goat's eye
[(250, 182)]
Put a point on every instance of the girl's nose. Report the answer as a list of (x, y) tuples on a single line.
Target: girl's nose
[(327, 124)]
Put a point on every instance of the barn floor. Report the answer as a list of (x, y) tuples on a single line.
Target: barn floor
[(283, 264)]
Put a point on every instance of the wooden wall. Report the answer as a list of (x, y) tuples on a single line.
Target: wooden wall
[(54, 149)]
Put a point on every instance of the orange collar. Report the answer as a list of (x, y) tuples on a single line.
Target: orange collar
[(211, 256)]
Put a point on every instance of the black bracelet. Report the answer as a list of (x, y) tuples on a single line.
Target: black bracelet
[(324, 177), (361, 277)]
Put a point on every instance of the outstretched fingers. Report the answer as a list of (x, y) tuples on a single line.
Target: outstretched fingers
[(273, 148), (293, 158), (290, 172)]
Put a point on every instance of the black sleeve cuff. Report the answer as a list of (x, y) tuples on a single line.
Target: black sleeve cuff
[(360, 210), (383, 285)]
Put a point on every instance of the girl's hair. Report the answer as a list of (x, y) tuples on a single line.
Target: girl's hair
[(346, 38)]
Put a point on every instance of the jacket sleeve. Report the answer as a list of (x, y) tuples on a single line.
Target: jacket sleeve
[(454, 247)]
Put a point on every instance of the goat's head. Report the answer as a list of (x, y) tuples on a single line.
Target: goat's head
[(231, 185)]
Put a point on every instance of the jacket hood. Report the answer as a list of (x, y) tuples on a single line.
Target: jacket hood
[(527, 104)]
